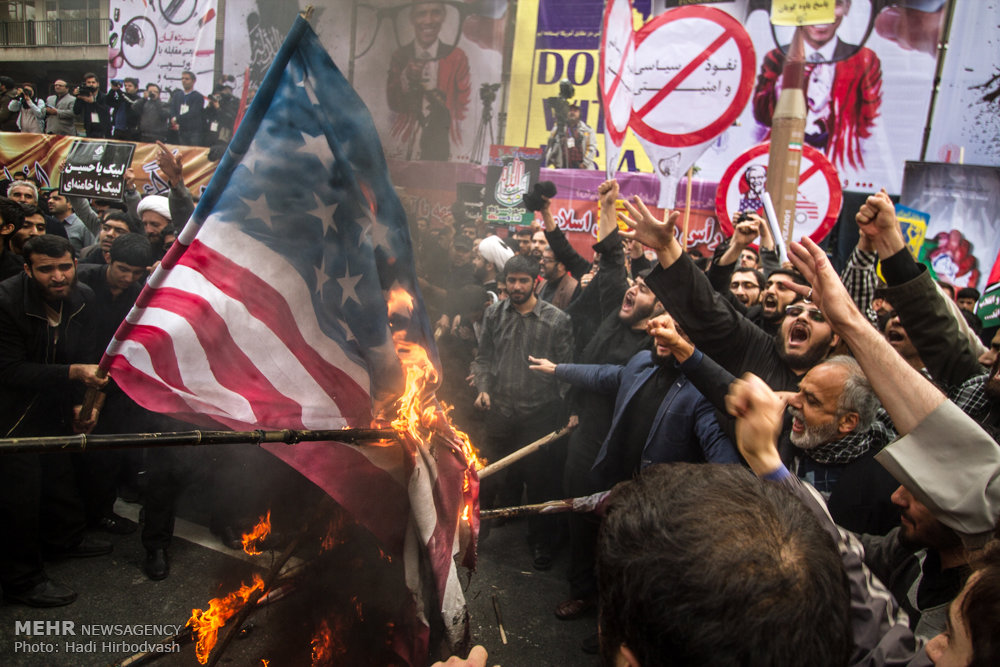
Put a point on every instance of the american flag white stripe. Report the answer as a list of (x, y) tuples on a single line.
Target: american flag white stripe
[(266, 351)]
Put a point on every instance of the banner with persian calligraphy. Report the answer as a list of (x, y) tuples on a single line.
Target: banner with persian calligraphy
[(96, 169), (155, 40), (511, 173)]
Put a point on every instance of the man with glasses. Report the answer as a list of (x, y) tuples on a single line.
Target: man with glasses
[(843, 90), (59, 109)]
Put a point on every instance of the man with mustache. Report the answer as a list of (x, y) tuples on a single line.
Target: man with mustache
[(802, 339), (47, 350), (521, 407)]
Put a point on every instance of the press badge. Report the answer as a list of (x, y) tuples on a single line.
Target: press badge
[(184, 109), (213, 126), (570, 143), (95, 117)]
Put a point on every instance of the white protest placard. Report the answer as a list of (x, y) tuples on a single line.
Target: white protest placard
[(615, 77), (693, 73)]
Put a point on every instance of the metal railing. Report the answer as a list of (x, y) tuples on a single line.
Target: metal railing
[(60, 32)]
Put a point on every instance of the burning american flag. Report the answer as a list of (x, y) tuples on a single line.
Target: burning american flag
[(290, 302)]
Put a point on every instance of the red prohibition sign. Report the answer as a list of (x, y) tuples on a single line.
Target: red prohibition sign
[(609, 91), (733, 31), (819, 168)]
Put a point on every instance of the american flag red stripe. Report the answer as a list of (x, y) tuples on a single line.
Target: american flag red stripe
[(214, 314)]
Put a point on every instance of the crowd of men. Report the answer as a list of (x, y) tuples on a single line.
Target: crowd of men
[(124, 111), (865, 402), (70, 271)]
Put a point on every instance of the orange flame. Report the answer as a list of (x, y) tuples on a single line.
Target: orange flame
[(253, 539), (206, 624), (414, 410), (324, 646)]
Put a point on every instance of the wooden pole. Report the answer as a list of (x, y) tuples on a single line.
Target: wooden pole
[(527, 450), (687, 208)]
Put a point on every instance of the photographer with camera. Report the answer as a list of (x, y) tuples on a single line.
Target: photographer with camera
[(92, 105), (153, 114), (220, 114), (29, 110), (122, 99), (572, 144)]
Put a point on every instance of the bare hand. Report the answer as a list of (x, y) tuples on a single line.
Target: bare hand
[(573, 421), (746, 231), (87, 374), (482, 401), (827, 291), (759, 412), (541, 365), (664, 330), (608, 193), (83, 425), (643, 227), (877, 220), (170, 165), (129, 179), (477, 658)]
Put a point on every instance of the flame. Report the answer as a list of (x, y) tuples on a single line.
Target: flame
[(414, 410), (253, 539), (265, 662), (324, 648), (206, 624)]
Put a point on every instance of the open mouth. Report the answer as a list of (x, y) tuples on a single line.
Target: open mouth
[(628, 302), (770, 301), (798, 334), (894, 336)]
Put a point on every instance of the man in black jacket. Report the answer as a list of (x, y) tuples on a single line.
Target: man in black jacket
[(46, 346)]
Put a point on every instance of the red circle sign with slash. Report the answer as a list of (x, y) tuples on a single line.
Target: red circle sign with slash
[(616, 71), (817, 205), (682, 99)]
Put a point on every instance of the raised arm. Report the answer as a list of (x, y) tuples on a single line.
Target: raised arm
[(930, 320), (950, 464), (685, 292)]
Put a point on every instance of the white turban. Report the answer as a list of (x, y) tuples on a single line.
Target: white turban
[(495, 251), (156, 204)]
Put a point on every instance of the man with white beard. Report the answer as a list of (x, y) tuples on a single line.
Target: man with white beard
[(837, 428)]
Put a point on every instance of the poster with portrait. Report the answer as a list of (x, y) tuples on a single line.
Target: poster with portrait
[(156, 40), (429, 72), (868, 89), (962, 238)]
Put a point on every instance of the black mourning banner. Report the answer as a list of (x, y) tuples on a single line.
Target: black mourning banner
[(96, 169)]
